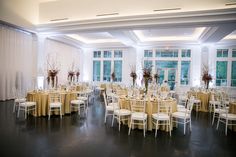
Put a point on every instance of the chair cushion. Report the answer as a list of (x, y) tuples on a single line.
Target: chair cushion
[(28, 103), (138, 116), (230, 116), (122, 112), (77, 102), (197, 101), (19, 100), (112, 107), (55, 104), (181, 115), (214, 102), (181, 109), (217, 110), (160, 116), (82, 98)]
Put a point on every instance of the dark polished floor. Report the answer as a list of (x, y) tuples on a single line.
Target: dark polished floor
[(74, 136)]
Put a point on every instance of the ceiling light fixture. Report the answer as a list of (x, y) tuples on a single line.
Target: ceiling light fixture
[(193, 37), (60, 19), (89, 41), (166, 9), (108, 14), (229, 4)]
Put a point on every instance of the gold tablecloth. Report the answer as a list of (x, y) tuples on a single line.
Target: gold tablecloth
[(204, 97), (151, 107), (232, 109), (42, 102)]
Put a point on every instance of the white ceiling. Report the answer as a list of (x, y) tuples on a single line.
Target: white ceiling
[(72, 10), (193, 22)]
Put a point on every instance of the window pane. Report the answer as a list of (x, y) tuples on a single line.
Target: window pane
[(107, 54), (171, 72), (233, 74), (96, 70), (166, 64), (221, 73), (185, 68), (118, 54), (147, 64), (186, 53), (225, 53), (219, 53), (167, 53), (97, 54), (234, 53), (158, 53), (118, 71), (106, 70), (147, 53)]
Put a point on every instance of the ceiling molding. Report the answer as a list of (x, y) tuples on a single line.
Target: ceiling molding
[(168, 20)]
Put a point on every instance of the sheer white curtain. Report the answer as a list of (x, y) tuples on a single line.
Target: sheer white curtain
[(17, 62)]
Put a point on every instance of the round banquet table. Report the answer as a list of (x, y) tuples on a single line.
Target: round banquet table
[(42, 101), (204, 97), (232, 109), (151, 107)]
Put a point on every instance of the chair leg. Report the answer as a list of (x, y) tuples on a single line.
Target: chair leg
[(218, 123), (213, 118), (14, 107), (18, 113), (226, 126), (119, 123), (49, 113), (25, 112), (60, 113), (169, 127), (190, 124), (113, 116), (130, 124), (105, 117), (144, 126), (184, 126), (156, 128)]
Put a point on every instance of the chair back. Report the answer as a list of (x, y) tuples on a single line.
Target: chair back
[(164, 106), (190, 105), (54, 97), (138, 105)]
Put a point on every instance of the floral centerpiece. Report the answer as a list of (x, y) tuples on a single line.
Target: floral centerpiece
[(77, 75), (147, 76), (206, 77), (52, 77), (157, 77), (71, 76), (133, 74), (52, 71)]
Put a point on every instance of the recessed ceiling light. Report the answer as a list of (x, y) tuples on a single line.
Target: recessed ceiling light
[(194, 36), (89, 41)]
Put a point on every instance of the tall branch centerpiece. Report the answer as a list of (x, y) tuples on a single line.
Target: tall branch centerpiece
[(71, 74), (157, 76), (133, 74), (52, 71), (77, 75), (147, 76)]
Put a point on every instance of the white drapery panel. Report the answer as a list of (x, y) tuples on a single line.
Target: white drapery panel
[(18, 62)]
